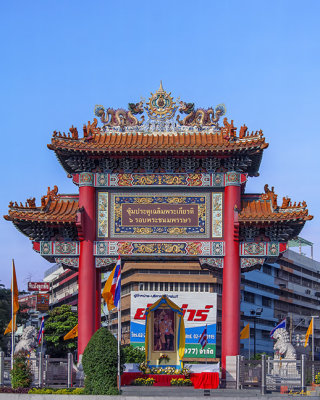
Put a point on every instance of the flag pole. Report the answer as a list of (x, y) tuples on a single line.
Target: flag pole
[(12, 317), (249, 344), (312, 333), (119, 331), (41, 348), (207, 343), (119, 342)]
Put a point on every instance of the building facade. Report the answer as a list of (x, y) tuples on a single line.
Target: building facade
[(289, 288), (63, 285)]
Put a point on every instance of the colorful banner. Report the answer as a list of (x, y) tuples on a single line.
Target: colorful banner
[(200, 309)]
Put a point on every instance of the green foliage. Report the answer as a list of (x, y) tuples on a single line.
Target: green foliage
[(61, 320), (5, 316), (133, 354), (56, 391), (21, 373), (258, 356), (100, 360)]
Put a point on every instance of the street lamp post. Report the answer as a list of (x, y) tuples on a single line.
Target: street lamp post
[(255, 314)]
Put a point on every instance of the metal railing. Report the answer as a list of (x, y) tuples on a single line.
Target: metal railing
[(46, 371), (276, 375)]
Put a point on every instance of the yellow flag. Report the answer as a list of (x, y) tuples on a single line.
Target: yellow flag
[(106, 293), (9, 327), (309, 332), (72, 334), (14, 290), (245, 333)]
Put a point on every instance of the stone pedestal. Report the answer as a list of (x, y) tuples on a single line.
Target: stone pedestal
[(231, 372)]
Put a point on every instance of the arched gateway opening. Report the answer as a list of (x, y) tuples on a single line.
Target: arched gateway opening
[(167, 190)]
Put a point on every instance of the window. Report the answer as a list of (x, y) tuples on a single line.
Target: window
[(266, 301), (196, 287), (166, 286), (206, 287), (217, 288), (156, 286), (267, 269), (191, 287), (201, 287), (171, 286), (176, 286), (186, 287), (248, 297), (151, 285), (161, 286)]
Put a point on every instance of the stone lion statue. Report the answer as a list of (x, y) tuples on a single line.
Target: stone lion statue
[(283, 346), (284, 350), (28, 340)]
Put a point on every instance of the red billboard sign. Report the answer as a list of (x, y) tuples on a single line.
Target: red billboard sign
[(38, 286)]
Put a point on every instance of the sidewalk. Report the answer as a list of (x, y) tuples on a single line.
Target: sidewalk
[(162, 393)]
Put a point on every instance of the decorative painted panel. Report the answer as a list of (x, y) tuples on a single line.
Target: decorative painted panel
[(250, 263), (232, 179), (160, 215), (259, 249), (102, 212), (217, 215), (219, 179), (212, 263), (59, 248), (140, 179), (105, 261), (86, 179), (188, 248), (72, 262)]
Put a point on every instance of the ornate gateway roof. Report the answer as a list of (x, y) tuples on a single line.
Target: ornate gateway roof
[(192, 133), (260, 215), (56, 216)]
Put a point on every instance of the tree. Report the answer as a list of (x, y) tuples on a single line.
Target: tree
[(100, 360), (133, 355), (5, 316), (61, 320)]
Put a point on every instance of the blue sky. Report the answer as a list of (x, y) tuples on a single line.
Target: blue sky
[(61, 58)]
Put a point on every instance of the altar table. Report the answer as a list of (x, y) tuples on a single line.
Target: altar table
[(203, 380)]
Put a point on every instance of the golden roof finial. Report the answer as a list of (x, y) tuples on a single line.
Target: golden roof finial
[(160, 90)]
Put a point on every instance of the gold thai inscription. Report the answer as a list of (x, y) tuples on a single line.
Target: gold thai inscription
[(163, 215)]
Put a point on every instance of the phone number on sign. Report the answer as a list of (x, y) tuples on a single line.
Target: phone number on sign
[(195, 351)]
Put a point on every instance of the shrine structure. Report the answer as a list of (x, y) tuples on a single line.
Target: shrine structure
[(166, 185)]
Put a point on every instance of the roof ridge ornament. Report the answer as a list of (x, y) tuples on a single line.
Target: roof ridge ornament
[(51, 195), (161, 105)]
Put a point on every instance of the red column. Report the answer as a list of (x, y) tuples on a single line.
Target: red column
[(98, 299), (87, 271), (230, 334)]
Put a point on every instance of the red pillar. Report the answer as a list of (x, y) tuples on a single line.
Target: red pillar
[(98, 299), (230, 334), (87, 271)]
